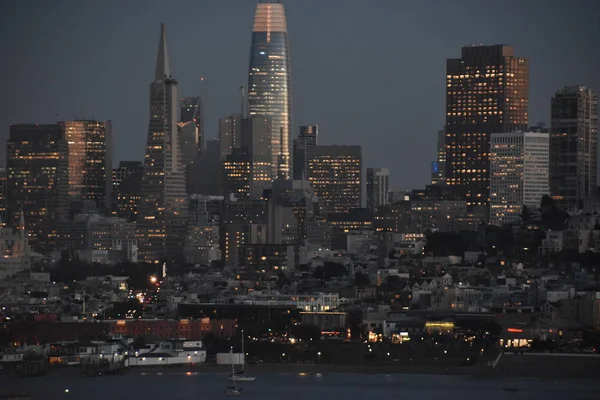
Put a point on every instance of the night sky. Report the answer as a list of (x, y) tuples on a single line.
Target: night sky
[(369, 72)]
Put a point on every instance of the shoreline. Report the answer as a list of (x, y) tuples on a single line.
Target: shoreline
[(363, 369)]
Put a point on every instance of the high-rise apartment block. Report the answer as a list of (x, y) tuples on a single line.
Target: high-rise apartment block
[(269, 81), (378, 187), (573, 146), (163, 210), (335, 172), (519, 174), (38, 180), (487, 91), (90, 162)]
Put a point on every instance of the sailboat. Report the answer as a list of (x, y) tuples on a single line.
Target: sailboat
[(233, 390), (240, 375)]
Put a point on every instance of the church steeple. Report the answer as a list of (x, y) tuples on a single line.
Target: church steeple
[(163, 64)]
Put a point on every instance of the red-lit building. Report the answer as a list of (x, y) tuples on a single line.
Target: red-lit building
[(174, 329)]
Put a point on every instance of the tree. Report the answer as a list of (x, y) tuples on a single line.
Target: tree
[(361, 279), (526, 214), (306, 332), (330, 270)]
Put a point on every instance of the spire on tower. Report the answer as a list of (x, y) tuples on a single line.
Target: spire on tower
[(163, 64)]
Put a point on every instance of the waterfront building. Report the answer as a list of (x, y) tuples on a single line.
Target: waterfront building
[(335, 173), (487, 91), (574, 146), (519, 164), (162, 216), (269, 81), (38, 181), (378, 187)]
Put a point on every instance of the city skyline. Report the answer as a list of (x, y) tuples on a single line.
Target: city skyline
[(323, 93)]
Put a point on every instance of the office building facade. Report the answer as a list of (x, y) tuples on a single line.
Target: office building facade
[(378, 187), (487, 91), (269, 81), (519, 166), (574, 146), (90, 162), (336, 175), (38, 181), (307, 138)]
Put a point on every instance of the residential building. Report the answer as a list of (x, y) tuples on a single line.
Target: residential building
[(519, 164)]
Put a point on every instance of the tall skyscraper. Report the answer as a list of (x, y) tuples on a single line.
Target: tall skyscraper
[(378, 187), (38, 181), (90, 162), (246, 155), (230, 134), (307, 138), (205, 175), (438, 167), (127, 180), (487, 91), (335, 173), (269, 81), (519, 174), (573, 145), (192, 110), (163, 210)]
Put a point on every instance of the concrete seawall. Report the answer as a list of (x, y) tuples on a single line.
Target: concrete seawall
[(550, 365)]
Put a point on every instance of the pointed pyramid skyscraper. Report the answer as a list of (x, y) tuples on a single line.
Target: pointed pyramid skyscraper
[(162, 217), (163, 64)]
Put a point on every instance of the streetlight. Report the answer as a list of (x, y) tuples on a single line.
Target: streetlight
[(319, 354)]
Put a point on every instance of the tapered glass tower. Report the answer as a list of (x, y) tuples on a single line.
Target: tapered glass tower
[(269, 81), (162, 214)]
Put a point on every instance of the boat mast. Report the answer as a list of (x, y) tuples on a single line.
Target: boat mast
[(232, 368), (243, 353)]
